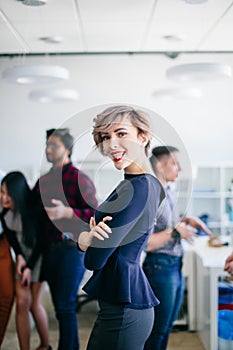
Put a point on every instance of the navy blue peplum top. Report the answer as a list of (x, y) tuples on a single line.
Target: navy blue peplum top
[(117, 274)]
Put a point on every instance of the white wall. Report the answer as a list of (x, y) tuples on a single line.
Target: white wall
[(205, 125)]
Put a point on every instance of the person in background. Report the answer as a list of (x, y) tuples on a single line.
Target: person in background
[(164, 252), (6, 280), (119, 232), (21, 230), (229, 264), (67, 202)]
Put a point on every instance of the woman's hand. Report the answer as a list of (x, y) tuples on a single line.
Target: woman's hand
[(20, 264), (23, 271), (26, 277), (99, 231)]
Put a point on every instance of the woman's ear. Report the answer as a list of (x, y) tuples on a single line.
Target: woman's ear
[(144, 139)]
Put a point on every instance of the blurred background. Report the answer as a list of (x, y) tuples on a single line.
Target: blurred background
[(61, 61)]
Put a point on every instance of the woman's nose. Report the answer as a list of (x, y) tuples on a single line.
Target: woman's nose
[(113, 144)]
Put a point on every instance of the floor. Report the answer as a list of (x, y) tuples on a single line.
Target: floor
[(179, 340)]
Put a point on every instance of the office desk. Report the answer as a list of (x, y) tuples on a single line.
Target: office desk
[(209, 267)]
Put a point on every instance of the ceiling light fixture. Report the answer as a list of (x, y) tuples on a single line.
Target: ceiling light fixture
[(35, 74), (199, 72), (52, 39), (195, 2), (177, 93), (34, 2), (174, 38), (53, 95)]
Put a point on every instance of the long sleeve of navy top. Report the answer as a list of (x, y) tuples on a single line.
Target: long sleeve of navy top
[(118, 276)]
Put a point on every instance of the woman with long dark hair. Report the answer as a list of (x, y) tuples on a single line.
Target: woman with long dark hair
[(21, 229)]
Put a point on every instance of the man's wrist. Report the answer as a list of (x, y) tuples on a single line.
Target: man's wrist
[(175, 234)]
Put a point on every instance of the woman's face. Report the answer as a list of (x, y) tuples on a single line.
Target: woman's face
[(125, 146), (6, 200)]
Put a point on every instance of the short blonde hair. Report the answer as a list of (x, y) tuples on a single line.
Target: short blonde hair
[(103, 122)]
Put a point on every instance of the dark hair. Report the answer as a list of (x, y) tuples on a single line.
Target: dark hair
[(21, 195), (65, 136), (159, 151)]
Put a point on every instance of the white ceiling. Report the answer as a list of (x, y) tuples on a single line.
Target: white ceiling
[(116, 26)]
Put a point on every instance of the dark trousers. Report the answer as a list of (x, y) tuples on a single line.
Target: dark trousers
[(120, 328), (63, 268), (164, 274)]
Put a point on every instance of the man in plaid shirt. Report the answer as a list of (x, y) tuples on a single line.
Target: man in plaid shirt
[(67, 198)]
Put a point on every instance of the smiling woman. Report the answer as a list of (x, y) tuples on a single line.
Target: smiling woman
[(119, 232)]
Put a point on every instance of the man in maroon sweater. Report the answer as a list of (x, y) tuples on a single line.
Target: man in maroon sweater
[(67, 202)]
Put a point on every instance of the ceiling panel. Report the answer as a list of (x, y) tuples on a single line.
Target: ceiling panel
[(54, 10), (189, 33), (68, 30), (9, 43), (112, 10), (113, 36), (221, 34), (56, 18), (192, 22), (111, 26)]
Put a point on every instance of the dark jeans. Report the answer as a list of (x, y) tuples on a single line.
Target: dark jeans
[(63, 268), (164, 274)]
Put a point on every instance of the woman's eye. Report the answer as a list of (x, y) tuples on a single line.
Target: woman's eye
[(122, 134), (105, 137)]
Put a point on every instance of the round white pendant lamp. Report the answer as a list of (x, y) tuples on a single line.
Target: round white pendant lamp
[(53, 95), (34, 2), (35, 74), (195, 2), (199, 72)]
